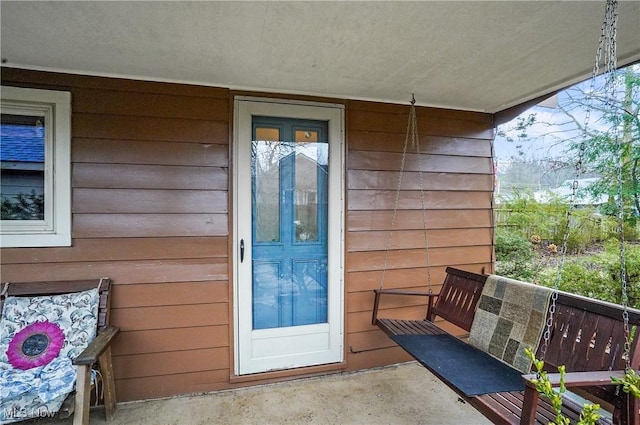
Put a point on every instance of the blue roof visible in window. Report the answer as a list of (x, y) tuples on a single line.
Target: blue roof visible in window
[(21, 143)]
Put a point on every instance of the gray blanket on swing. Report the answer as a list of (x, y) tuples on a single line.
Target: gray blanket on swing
[(510, 318)]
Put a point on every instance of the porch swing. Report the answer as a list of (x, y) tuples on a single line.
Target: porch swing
[(591, 338)]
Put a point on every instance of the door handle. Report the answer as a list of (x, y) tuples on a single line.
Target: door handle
[(241, 250)]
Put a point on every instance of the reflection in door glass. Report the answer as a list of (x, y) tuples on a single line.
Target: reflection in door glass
[(309, 190), (265, 153), (289, 250)]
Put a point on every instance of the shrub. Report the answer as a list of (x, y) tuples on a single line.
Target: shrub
[(514, 255), (599, 275)]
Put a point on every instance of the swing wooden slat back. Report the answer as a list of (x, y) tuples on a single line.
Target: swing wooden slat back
[(588, 335), (458, 298)]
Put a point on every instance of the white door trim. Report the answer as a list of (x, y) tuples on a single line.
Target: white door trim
[(333, 331)]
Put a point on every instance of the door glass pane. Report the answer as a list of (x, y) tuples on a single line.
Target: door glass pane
[(22, 155), (265, 155), (289, 251), (310, 190)]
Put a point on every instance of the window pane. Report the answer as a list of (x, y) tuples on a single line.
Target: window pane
[(303, 136), (22, 160)]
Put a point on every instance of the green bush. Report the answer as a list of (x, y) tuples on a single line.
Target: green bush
[(598, 276), (526, 216), (512, 246), (514, 255)]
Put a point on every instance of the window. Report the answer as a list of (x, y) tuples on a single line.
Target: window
[(35, 168)]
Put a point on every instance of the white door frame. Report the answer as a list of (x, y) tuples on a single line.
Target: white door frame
[(328, 346)]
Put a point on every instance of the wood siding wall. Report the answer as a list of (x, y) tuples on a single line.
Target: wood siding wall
[(457, 183), (150, 202)]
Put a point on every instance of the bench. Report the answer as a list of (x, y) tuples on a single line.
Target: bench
[(587, 337), (97, 353)]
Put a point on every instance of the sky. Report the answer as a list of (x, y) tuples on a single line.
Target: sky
[(547, 137)]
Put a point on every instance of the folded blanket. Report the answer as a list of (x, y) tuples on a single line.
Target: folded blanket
[(35, 392), (510, 318)]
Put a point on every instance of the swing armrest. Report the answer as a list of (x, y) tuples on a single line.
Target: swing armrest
[(572, 380), (578, 379), (379, 292)]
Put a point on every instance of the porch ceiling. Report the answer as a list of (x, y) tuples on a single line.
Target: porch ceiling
[(481, 56)]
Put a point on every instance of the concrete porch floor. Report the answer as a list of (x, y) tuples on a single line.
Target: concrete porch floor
[(399, 394)]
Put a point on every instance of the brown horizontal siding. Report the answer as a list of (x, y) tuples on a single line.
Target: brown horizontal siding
[(118, 102), (412, 200), (367, 281), (434, 145), (170, 363), (170, 317), (138, 176), (410, 258), (431, 121), (411, 180), (403, 110), (407, 239), (150, 180), (451, 175), (123, 272), (164, 340), (163, 129), (62, 81), (90, 200), (122, 249), (167, 294), (365, 220), (169, 385), (367, 160), (149, 225), (145, 152), (150, 185)]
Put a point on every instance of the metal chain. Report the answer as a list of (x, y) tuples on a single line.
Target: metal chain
[(611, 88), (415, 143), (412, 112), (603, 43)]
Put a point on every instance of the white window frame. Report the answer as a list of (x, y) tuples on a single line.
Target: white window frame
[(55, 229)]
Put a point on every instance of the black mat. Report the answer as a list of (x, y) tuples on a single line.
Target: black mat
[(469, 369)]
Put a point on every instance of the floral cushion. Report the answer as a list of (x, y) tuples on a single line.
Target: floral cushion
[(39, 384), (75, 313)]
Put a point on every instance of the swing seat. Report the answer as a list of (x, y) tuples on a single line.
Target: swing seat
[(51, 336), (587, 336)]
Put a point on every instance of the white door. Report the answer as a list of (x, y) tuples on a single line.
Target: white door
[(288, 205)]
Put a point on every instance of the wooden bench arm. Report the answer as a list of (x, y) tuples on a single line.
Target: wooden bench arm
[(578, 379), (572, 379), (379, 292), (96, 347)]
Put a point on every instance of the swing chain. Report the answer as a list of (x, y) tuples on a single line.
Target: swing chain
[(606, 42), (397, 195), (610, 48), (412, 133), (415, 142)]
